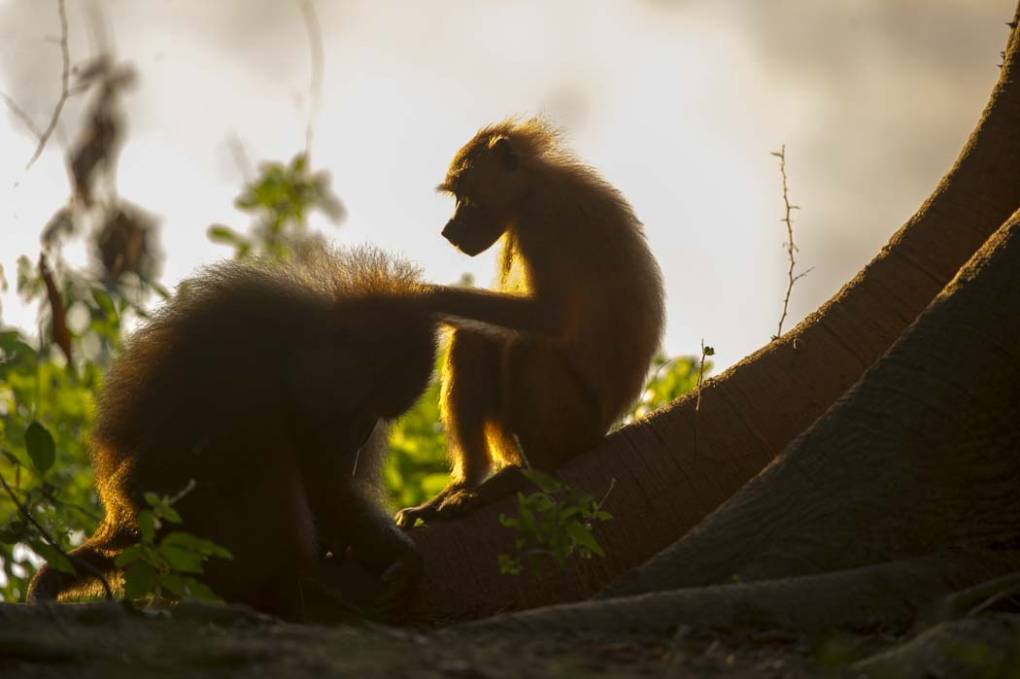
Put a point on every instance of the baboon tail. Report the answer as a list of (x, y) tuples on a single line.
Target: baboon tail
[(94, 558)]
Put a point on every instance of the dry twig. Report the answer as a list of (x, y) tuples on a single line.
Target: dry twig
[(65, 90), (790, 246), (315, 85)]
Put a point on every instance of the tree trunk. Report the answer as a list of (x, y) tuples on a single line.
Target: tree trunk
[(664, 486), (923, 454)]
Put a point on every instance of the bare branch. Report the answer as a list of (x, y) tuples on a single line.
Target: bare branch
[(21, 115), (315, 85), (791, 247), (65, 90), (61, 334)]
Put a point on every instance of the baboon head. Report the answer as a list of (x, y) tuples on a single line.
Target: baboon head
[(490, 178)]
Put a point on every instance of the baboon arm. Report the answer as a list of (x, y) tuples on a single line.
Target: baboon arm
[(509, 312)]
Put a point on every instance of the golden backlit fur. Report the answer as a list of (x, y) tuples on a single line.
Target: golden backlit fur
[(262, 383), (557, 354)]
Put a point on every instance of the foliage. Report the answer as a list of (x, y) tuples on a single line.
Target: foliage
[(280, 199), (416, 467), (556, 522), (167, 567), (46, 464), (670, 379)]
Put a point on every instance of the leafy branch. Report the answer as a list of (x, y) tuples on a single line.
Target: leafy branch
[(556, 522), (42, 450), (169, 565)]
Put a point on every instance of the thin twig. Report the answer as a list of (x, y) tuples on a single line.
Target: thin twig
[(65, 92), (23, 510), (315, 85), (705, 351), (612, 484), (790, 246), (21, 115)]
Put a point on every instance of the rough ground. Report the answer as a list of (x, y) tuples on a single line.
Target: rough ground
[(108, 640)]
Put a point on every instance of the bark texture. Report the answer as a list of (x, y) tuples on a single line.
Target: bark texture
[(751, 412), (888, 596), (921, 455)]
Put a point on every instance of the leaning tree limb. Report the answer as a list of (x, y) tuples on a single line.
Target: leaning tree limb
[(664, 486), (887, 595), (923, 454)]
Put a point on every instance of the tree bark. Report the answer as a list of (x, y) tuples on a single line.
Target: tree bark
[(664, 486), (888, 595), (923, 454)]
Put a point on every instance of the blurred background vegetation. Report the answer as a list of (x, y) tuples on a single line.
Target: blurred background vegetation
[(49, 377)]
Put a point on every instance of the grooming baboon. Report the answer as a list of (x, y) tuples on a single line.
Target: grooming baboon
[(557, 355), (262, 383)]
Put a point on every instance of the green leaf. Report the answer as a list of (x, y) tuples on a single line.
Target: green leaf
[(182, 560), (546, 482), (147, 525), (139, 580), (218, 233), (181, 540), (53, 557), (152, 499), (41, 447), (168, 513), (584, 538), (176, 584), (105, 302), (199, 590), (130, 555)]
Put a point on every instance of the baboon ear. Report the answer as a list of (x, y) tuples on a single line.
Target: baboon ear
[(506, 153)]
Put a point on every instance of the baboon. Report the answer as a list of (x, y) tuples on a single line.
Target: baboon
[(262, 384), (541, 369)]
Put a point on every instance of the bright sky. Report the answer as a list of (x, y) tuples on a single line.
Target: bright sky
[(676, 103)]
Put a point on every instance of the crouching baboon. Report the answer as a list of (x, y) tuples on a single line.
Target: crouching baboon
[(262, 384), (545, 365)]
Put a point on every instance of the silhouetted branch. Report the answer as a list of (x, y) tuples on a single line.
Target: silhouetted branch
[(65, 90), (790, 246), (315, 85), (21, 115), (61, 334)]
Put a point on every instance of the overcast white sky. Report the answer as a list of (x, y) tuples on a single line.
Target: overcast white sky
[(676, 103)]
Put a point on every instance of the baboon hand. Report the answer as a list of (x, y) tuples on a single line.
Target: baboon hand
[(408, 516), (459, 503)]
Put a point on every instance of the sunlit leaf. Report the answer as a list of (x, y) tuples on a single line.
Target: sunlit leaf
[(129, 555), (147, 525), (41, 447), (52, 556), (139, 580)]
